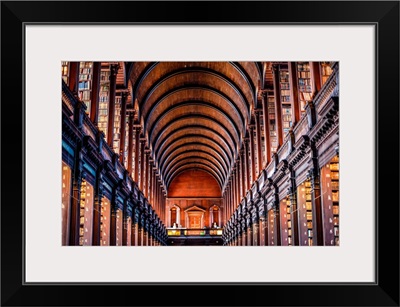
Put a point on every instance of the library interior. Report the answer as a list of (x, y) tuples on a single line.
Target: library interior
[(200, 153)]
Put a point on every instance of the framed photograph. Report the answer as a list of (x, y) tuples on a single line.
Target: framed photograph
[(351, 47)]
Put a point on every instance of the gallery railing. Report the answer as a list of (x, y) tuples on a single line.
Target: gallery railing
[(187, 232)]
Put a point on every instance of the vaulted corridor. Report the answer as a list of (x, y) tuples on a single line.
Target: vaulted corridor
[(200, 153)]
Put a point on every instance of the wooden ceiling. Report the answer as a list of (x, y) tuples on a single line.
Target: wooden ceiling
[(195, 114)]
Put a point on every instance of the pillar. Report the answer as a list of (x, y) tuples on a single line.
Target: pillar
[(111, 106)]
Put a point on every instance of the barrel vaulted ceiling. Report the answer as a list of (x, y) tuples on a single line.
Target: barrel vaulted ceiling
[(194, 114)]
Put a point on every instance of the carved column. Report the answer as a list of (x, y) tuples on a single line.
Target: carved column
[(238, 183), (317, 208), (277, 223), (113, 223), (231, 197), (111, 105), (145, 232), (140, 231), (246, 165), (252, 156), (258, 136), (249, 229), (142, 164), (124, 96), (94, 97), (296, 107), (234, 191), (146, 174), (130, 144), (157, 192), (244, 230), (316, 76), (98, 195), (263, 227), (135, 227), (278, 109), (294, 214), (256, 228), (243, 171), (137, 153), (73, 77), (151, 241), (238, 234), (267, 144), (125, 230), (75, 200), (150, 196)]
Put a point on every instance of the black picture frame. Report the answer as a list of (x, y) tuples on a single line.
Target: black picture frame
[(383, 14)]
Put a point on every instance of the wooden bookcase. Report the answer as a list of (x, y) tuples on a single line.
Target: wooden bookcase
[(85, 83), (304, 213), (104, 94), (85, 214), (272, 122), (117, 125), (287, 117), (330, 201), (271, 228), (105, 222), (262, 139), (309, 213), (119, 226), (65, 72), (286, 222), (126, 148), (304, 85), (326, 71), (286, 99), (66, 202), (334, 168)]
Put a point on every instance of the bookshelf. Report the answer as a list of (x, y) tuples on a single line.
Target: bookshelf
[(128, 226), (117, 125), (85, 83), (286, 222), (271, 227), (126, 149), (272, 122), (262, 140), (65, 72), (105, 222), (286, 101), (326, 71), (304, 83), (305, 213), (334, 168), (255, 162), (330, 201), (85, 213), (119, 221), (104, 94), (284, 85), (286, 118), (309, 213), (66, 202)]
